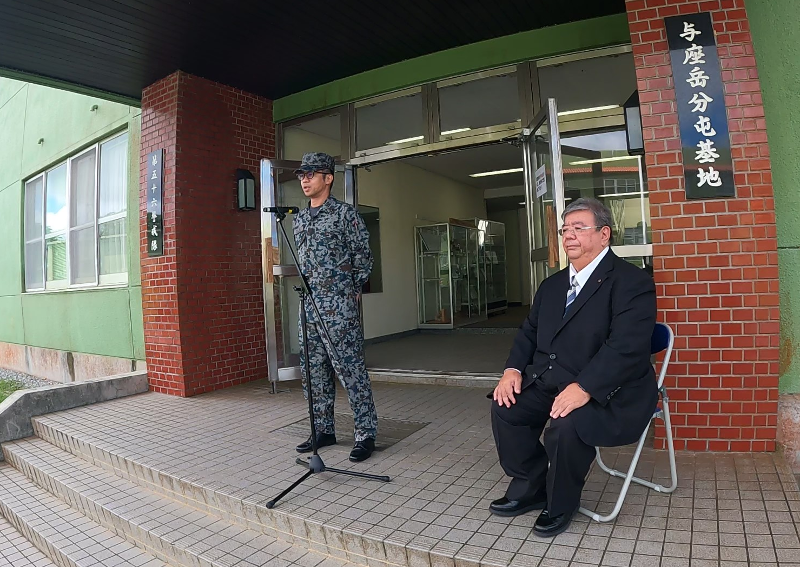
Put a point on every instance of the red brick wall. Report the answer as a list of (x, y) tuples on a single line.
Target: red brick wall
[(716, 263), (159, 277), (203, 302)]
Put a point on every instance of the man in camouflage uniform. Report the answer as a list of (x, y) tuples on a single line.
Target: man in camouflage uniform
[(333, 249)]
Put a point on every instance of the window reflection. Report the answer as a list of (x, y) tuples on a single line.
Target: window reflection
[(463, 107), (586, 84), (396, 121), (323, 134), (598, 165)]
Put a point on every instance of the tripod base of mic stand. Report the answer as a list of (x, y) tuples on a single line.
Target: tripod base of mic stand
[(315, 465), (310, 464)]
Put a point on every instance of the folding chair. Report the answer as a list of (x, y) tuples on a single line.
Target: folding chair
[(662, 339)]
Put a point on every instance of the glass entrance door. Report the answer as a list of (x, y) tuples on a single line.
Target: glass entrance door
[(280, 187), (544, 194)]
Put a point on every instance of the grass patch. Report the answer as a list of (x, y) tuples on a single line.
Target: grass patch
[(7, 387)]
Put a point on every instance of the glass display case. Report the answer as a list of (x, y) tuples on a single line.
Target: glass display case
[(451, 288), (494, 253)]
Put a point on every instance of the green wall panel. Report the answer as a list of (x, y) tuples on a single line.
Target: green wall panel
[(64, 121), (11, 238), (95, 321), (134, 149), (137, 322), (66, 86), (789, 269), (776, 38), (12, 126), (11, 330), (8, 89), (545, 42)]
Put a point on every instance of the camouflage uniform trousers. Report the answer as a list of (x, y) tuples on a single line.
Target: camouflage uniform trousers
[(348, 338)]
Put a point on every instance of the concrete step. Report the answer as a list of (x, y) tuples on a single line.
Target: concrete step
[(174, 532), (373, 545), (429, 378), (17, 551), (64, 535)]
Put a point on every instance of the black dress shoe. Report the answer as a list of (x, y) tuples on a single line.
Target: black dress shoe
[(549, 526), (506, 507), (362, 450), (323, 440)]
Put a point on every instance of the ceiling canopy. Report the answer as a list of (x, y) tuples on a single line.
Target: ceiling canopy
[(265, 47)]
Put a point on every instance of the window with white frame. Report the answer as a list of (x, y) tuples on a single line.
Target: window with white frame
[(620, 185), (75, 220)]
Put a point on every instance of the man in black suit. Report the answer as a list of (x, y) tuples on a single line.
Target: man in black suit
[(582, 360)]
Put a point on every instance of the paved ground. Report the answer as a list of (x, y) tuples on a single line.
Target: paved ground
[(480, 348), (729, 509)]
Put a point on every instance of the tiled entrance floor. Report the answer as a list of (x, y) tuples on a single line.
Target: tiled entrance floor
[(729, 509)]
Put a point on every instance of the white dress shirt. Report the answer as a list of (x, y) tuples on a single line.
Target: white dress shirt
[(584, 275)]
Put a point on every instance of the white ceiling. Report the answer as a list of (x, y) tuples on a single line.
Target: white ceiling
[(458, 165)]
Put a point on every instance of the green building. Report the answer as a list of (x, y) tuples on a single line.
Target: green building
[(439, 137)]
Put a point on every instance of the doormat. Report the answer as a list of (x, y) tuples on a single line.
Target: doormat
[(390, 431)]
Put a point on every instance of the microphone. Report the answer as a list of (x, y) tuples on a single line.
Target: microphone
[(282, 210)]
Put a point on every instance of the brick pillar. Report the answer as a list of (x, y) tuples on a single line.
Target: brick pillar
[(715, 261), (202, 300)]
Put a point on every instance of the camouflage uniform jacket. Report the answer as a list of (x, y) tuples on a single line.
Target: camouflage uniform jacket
[(333, 249)]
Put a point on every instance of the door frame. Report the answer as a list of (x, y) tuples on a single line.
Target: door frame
[(548, 114)]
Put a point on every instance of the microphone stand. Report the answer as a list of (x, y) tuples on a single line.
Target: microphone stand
[(314, 464)]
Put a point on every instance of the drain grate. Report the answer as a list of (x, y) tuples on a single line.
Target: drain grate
[(390, 431)]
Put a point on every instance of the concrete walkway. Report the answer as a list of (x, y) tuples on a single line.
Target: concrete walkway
[(231, 451)]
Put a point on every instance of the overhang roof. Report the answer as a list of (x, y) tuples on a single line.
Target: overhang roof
[(269, 48)]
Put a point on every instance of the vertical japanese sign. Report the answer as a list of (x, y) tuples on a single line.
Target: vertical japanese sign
[(155, 216), (700, 97)]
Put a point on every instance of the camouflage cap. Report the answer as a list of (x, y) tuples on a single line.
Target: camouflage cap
[(316, 161)]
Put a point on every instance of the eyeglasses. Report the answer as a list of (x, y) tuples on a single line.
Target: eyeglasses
[(576, 230), (310, 174)]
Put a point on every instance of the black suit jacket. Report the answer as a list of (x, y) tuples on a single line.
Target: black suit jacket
[(603, 344)]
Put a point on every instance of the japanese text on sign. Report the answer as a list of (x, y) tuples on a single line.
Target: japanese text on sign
[(155, 217), (703, 121)]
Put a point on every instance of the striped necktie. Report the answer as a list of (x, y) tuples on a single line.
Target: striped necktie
[(573, 293)]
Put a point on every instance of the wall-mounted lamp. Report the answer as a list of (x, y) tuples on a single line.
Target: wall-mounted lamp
[(633, 125), (246, 190)]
